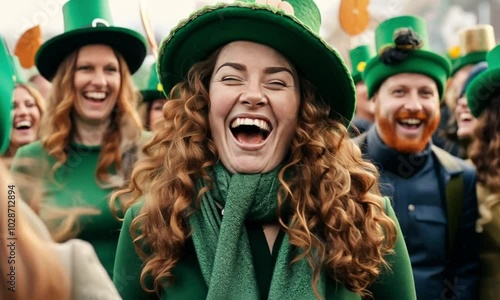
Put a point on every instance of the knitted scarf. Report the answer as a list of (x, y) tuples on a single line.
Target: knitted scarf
[(222, 246)]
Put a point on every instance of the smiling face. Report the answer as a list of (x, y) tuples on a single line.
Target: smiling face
[(254, 105), (97, 82), (407, 111), (26, 117), (465, 120)]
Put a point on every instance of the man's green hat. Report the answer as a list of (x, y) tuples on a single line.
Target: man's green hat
[(295, 34), (486, 85), (359, 57), (154, 90), (475, 42), (419, 58), (6, 89), (89, 22)]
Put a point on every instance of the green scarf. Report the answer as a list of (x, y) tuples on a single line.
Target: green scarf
[(222, 246)]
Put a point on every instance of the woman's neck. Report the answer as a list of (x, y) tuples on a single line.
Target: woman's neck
[(90, 134)]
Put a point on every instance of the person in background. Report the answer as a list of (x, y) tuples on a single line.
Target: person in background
[(466, 122), (91, 134), (475, 42), (433, 192), (33, 266), (27, 111), (483, 98), (153, 100), (252, 189), (364, 114)]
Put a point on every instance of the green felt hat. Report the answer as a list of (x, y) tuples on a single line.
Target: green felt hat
[(359, 57), (420, 61), (295, 35), (475, 42), (6, 89), (486, 85), (154, 90), (89, 22)]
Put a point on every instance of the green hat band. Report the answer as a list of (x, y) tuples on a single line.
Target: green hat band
[(418, 61), (468, 59), (486, 85)]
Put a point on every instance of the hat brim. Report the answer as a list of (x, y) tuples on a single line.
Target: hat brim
[(130, 44), (468, 59), (482, 89), (418, 61), (213, 27), (151, 95), (6, 91)]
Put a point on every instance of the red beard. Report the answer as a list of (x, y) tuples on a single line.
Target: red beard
[(388, 134)]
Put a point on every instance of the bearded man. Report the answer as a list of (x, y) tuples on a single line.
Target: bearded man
[(433, 193)]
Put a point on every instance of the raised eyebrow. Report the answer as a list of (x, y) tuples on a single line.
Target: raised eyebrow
[(236, 66)]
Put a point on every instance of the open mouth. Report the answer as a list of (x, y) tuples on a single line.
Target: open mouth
[(23, 125), (250, 131), (465, 117), (410, 123), (95, 96)]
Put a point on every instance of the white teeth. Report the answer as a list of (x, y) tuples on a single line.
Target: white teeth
[(255, 122), (24, 123), (465, 117), (411, 121), (95, 95)]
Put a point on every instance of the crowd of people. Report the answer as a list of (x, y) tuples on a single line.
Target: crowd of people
[(257, 163)]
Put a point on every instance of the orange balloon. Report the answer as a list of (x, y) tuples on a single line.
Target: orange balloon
[(27, 46), (354, 16)]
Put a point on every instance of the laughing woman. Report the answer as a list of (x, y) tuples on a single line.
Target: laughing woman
[(27, 110), (91, 133), (252, 188)]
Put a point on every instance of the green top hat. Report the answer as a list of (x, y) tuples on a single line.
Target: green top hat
[(6, 89), (295, 35), (89, 22), (475, 42), (359, 57), (486, 85), (154, 90), (419, 59)]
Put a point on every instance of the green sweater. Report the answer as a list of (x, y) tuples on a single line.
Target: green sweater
[(77, 187), (396, 284)]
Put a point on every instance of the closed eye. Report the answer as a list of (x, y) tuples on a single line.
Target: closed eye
[(83, 68)]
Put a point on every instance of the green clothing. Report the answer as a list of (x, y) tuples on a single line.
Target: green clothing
[(189, 282), (75, 186), (489, 251)]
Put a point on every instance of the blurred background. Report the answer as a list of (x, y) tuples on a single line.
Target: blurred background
[(444, 18)]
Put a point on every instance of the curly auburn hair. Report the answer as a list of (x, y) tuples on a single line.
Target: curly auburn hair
[(122, 133), (337, 218), (485, 154)]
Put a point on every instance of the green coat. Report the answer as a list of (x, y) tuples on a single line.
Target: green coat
[(396, 284)]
